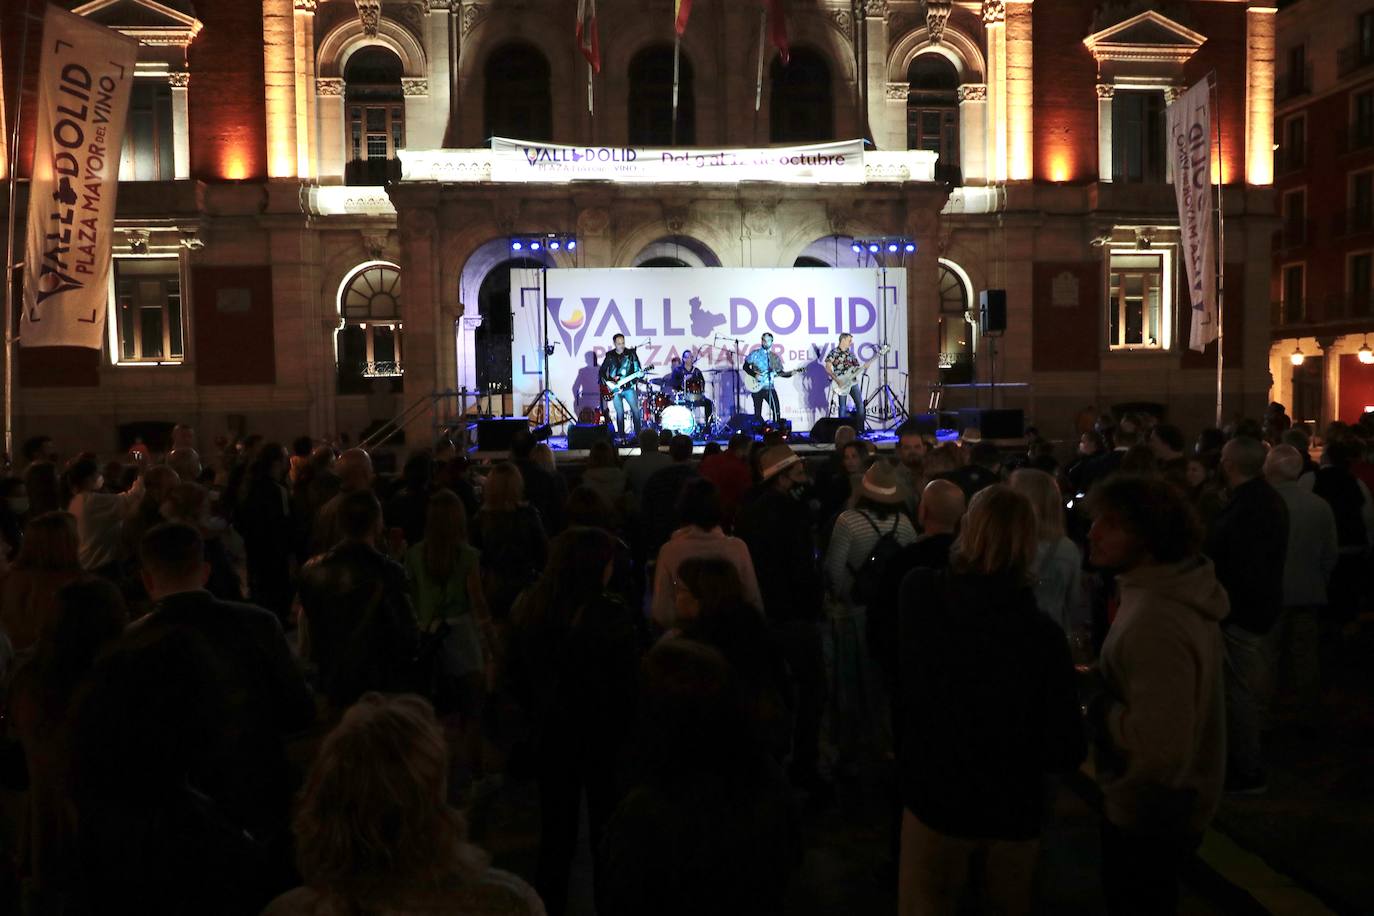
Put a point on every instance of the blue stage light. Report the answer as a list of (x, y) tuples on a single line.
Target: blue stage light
[(554, 246), (572, 244), (516, 246), (892, 247), (534, 246), (873, 247), (856, 248), (910, 247)]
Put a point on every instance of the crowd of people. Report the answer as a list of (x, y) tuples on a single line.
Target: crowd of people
[(272, 680)]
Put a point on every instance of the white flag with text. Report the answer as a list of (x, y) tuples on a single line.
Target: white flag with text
[(1190, 146)]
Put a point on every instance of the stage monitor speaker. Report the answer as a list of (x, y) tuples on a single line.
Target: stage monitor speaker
[(495, 435), (826, 427), (926, 423), (585, 435), (993, 424), (992, 311), (745, 423)]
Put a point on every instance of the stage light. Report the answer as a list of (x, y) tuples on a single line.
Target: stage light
[(910, 247), (534, 246), (554, 246), (892, 247), (572, 244), (517, 245), (856, 248), (873, 247)]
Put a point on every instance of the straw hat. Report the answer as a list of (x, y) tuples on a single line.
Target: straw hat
[(880, 484), (775, 459)]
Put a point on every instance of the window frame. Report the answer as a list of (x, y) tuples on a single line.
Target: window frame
[(1288, 240), (1165, 173), (1360, 136), (369, 324), (1284, 268), (154, 80), (1167, 299), (114, 328), (1351, 293), (1289, 163)]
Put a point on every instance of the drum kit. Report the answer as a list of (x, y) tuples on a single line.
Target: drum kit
[(672, 411)]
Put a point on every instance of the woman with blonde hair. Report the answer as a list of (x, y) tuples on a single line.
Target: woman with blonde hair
[(49, 559), (375, 833), (988, 707), (511, 536), (1058, 562)]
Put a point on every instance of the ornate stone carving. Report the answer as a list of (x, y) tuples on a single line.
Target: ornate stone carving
[(374, 242), (440, 5), (937, 17), (1173, 93), (329, 85), (370, 15), (138, 240), (844, 21), (675, 217), (994, 11), (307, 6), (875, 9), (473, 14), (1105, 90), (897, 92), (973, 92), (191, 241), (760, 216), (506, 213), (414, 86), (593, 221), (414, 15), (179, 79)]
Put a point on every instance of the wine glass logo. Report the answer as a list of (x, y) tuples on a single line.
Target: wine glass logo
[(575, 320)]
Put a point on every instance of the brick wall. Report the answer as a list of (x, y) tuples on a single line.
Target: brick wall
[(233, 325), (1233, 323), (225, 97), (1223, 52), (1065, 97), (1067, 339)]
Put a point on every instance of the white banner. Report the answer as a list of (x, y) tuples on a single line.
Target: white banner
[(1190, 144), (85, 75), (719, 313), (820, 163)]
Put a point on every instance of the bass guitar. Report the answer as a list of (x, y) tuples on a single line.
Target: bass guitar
[(609, 388), (843, 381)]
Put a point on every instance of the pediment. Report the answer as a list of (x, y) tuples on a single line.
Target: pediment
[(150, 21), (1149, 35)]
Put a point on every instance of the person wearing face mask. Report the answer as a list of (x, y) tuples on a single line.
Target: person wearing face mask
[(14, 511)]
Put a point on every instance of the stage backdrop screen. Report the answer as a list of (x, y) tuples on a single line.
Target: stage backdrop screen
[(720, 313)]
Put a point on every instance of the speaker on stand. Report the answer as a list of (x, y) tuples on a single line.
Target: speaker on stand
[(992, 323)]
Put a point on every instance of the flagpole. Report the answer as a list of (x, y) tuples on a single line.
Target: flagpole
[(758, 90), (10, 265), (1221, 245), (677, 50)]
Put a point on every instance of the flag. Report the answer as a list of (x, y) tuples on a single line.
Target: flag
[(777, 26), (588, 39), (85, 74), (1190, 145), (681, 10)]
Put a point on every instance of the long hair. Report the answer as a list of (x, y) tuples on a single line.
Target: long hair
[(504, 489), (373, 825), (573, 577), (89, 614), (50, 543), (998, 536), (446, 531), (44, 484), (1043, 492)]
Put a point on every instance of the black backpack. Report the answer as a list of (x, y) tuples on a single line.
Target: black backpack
[(870, 575)]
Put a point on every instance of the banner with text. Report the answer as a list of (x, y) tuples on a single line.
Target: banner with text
[(1190, 145), (720, 314), (820, 163), (85, 74)]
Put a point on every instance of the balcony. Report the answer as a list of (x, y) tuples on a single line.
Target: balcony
[(372, 172), (1293, 84), (1353, 58), (1339, 308), (1288, 161)]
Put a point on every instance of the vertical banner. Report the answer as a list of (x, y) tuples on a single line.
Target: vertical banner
[(85, 75), (1190, 145)]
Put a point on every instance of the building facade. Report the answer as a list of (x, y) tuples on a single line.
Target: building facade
[(1323, 262), (277, 273)]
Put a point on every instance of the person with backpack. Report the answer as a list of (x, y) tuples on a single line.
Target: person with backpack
[(862, 545)]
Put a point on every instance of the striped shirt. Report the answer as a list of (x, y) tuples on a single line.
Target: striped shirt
[(852, 543)]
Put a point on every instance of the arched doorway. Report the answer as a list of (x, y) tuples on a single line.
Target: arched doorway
[(802, 106), (651, 99), (932, 113), (492, 339), (956, 333), (518, 103), (368, 346)]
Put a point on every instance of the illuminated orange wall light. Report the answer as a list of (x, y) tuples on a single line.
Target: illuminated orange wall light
[(235, 167), (1060, 169)]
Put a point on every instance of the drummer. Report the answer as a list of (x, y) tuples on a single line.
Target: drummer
[(687, 380)]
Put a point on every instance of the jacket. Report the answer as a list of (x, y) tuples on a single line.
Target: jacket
[(1162, 754), (1312, 546), (777, 529), (1247, 543), (987, 705), (689, 542)]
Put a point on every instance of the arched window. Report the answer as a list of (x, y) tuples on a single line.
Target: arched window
[(492, 339), (932, 113), (368, 346), (517, 102), (808, 261), (651, 99), (376, 116), (956, 334), (802, 109), (664, 262)]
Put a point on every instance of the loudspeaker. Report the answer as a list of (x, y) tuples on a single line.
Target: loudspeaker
[(993, 424), (495, 435), (585, 435), (826, 427), (925, 423), (992, 311), (745, 423)]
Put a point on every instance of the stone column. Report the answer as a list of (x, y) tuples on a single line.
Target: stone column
[(973, 104), (995, 21), (923, 301), (1020, 92), (1105, 91), (329, 92), (181, 124), (417, 220), (306, 131), (875, 72), (438, 26), (279, 78), (891, 133), (419, 127), (1259, 95)]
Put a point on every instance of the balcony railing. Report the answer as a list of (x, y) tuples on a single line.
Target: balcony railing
[(372, 172), (1353, 57), (1293, 84), (1331, 309)]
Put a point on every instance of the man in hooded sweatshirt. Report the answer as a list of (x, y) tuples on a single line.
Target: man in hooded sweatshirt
[(1157, 714)]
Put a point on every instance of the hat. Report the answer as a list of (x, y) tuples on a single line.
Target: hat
[(880, 484), (971, 434), (776, 458)]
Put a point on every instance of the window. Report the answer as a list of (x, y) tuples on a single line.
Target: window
[(1138, 136), (801, 108), (148, 316), (1296, 79), (517, 101), (1361, 202), (1364, 31), (1294, 293), (369, 344), (1294, 148), (1362, 120), (1295, 218), (376, 116), (1135, 300), (956, 334), (932, 113), (651, 99), (1359, 283), (147, 152)]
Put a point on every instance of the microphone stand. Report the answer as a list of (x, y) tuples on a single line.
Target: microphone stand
[(715, 338)]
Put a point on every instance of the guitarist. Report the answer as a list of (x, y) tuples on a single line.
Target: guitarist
[(840, 360), (617, 364), (764, 366)]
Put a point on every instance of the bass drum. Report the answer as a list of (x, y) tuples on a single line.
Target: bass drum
[(677, 419)]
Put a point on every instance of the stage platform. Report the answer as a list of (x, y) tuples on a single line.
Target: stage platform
[(800, 443)]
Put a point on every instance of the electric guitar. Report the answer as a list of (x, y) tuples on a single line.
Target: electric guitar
[(756, 383), (609, 388), (843, 381)]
